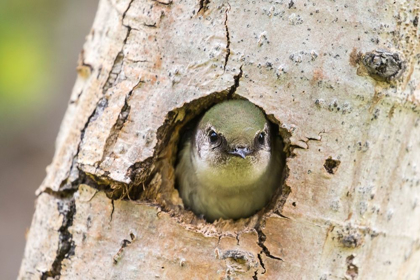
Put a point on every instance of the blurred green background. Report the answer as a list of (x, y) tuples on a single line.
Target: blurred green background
[(39, 45)]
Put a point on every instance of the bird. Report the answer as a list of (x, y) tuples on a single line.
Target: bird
[(230, 164)]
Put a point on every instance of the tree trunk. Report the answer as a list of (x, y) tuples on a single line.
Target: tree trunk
[(340, 78)]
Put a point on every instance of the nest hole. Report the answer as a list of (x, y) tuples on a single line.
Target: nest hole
[(154, 179)]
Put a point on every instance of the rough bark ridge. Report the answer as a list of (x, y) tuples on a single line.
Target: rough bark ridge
[(342, 81)]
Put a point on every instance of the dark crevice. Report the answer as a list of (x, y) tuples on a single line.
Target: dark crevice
[(116, 128), (129, 28), (281, 215), (137, 61), (67, 208), (76, 177), (261, 240), (100, 108), (112, 78), (153, 25), (112, 211), (66, 246), (89, 66), (227, 38), (61, 194), (203, 6), (115, 71), (80, 176), (236, 79), (126, 10), (261, 263), (101, 105), (164, 3), (140, 175), (70, 184), (314, 139)]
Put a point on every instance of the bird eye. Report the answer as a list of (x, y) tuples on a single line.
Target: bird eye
[(261, 138), (214, 137)]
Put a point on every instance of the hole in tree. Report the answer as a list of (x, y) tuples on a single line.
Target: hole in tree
[(154, 179)]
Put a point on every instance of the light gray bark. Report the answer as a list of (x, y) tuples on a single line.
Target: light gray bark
[(340, 78)]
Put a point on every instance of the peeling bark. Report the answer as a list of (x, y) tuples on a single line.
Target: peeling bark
[(341, 81)]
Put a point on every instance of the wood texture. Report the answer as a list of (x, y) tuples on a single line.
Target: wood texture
[(349, 206)]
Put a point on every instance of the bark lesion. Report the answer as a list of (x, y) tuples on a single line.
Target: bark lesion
[(264, 251), (166, 3), (124, 243), (331, 165), (203, 6), (117, 127), (66, 205), (66, 244), (236, 80), (126, 10), (261, 240), (352, 269), (115, 71), (262, 265), (227, 37)]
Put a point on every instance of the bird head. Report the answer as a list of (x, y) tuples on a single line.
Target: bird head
[(232, 144)]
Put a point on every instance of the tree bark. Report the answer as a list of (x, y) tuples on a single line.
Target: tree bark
[(340, 78)]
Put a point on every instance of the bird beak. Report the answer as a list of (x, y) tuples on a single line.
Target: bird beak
[(241, 152)]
